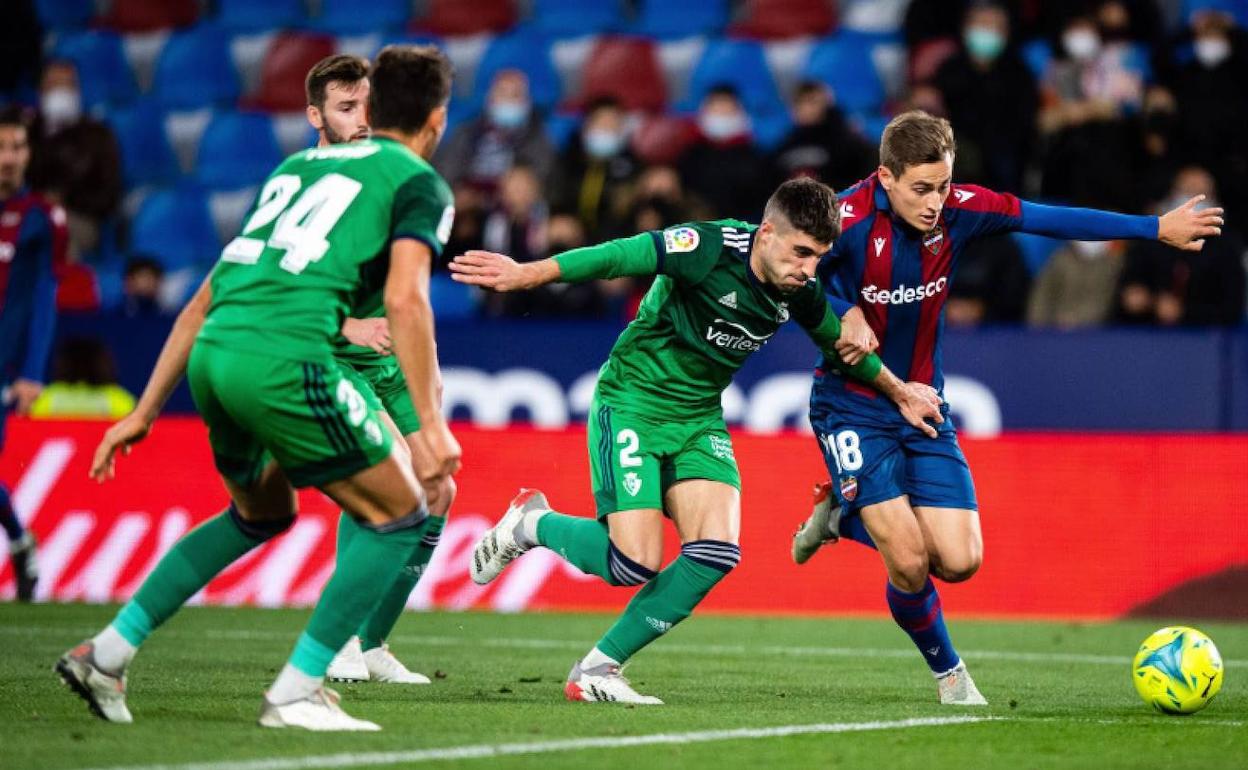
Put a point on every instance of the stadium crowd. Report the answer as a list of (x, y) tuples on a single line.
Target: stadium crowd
[(573, 122)]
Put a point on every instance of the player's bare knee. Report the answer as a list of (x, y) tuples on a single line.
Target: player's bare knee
[(960, 568), (259, 528), (909, 569), (440, 505)]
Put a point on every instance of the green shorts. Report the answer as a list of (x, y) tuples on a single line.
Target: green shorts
[(305, 415), (634, 459), (384, 388)]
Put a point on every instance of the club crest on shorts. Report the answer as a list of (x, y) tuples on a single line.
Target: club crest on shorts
[(849, 488), (934, 239), (680, 239), (632, 483)]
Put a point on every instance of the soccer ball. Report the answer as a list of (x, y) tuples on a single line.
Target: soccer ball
[(1178, 670)]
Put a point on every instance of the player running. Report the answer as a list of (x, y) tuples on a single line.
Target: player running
[(32, 243), (658, 445), (330, 223), (337, 93), (907, 493)]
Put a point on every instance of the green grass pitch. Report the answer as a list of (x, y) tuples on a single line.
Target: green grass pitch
[(1061, 696)]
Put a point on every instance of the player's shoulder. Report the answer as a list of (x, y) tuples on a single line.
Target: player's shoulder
[(856, 203), (31, 208), (706, 237), (976, 199)]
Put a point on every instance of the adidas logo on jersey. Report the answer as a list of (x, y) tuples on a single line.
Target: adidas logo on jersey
[(729, 300)]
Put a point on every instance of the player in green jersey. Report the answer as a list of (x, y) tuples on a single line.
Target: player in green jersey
[(337, 89), (657, 441), (329, 225)]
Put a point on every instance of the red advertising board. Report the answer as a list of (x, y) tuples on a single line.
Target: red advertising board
[(1086, 526)]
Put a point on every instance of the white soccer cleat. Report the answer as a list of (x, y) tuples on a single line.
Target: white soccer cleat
[(384, 667), (348, 665), (823, 526), (318, 712), (501, 545), (104, 693), (604, 683), (958, 689)]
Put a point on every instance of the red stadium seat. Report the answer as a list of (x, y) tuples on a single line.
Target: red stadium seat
[(150, 15), (456, 17), (285, 66), (627, 69), (778, 19), (661, 139), (926, 58)]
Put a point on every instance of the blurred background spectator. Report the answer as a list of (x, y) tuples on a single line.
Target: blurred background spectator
[(84, 384), (159, 120)]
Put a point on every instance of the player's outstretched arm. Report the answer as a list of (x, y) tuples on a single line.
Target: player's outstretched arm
[(170, 366), (634, 255), (1184, 227), (411, 329)]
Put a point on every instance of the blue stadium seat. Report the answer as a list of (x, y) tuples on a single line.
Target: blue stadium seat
[(1236, 8), (64, 14), (237, 149), (741, 64), (451, 301), (528, 52), (103, 72), (146, 156), (260, 15), (561, 127), (696, 17), (351, 17), (844, 63), (1036, 249), (1037, 53), (174, 226), (195, 70), (574, 18)]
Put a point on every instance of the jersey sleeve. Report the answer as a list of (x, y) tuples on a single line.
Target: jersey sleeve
[(830, 277), (50, 247), (688, 252), (1076, 224), (985, 212), (423, 210)]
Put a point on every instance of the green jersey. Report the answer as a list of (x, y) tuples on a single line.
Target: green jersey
[(700, 321), (315, 247)]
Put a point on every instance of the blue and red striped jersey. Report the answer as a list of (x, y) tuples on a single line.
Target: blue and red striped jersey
[(33, 247), (900, 277)]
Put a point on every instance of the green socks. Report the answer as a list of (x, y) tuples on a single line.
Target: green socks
[(380, 622), (192, 562), (669, 598), (582, 542), (366, 569)]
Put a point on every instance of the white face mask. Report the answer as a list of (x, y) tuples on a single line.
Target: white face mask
[(721, 126), (1082, 44), (1212, 51), (61, 106), (1090, 249)]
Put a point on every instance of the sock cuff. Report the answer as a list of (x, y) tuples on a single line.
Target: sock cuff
[(624, 571), (133, 623), (258, 530), (310, 656), (413, 519), (716, 554), (893, 592)]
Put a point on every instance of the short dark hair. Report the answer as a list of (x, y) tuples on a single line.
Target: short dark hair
[(140, 263), (809, 205), (16, 115), (914, 138), (723, 89), (339, 68), (409, 82)]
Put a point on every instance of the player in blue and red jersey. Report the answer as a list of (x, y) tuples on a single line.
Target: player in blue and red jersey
[(910, 496), (32, 242)]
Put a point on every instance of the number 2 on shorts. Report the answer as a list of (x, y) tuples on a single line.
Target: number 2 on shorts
[(628, 453)]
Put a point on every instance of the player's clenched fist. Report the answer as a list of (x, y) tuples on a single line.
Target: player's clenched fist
[(437, 454)]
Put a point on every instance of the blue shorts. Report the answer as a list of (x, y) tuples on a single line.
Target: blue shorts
[(870, 463)]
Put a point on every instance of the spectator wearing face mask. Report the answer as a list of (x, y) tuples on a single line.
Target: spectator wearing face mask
[(724, 166), (77, 162), (1077, 286), (596, 172), (822, 145), (509, 132), (1089, 144), (141, 288), (1165, 286), (990, 98), (1212, 95)]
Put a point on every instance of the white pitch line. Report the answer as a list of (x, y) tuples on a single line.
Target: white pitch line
[(680, 648), (478, 751)]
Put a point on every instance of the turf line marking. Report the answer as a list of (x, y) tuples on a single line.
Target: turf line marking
[(679, 648), (379, 758)]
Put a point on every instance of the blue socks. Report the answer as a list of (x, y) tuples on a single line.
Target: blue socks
[(920, 616), (8, 517)]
